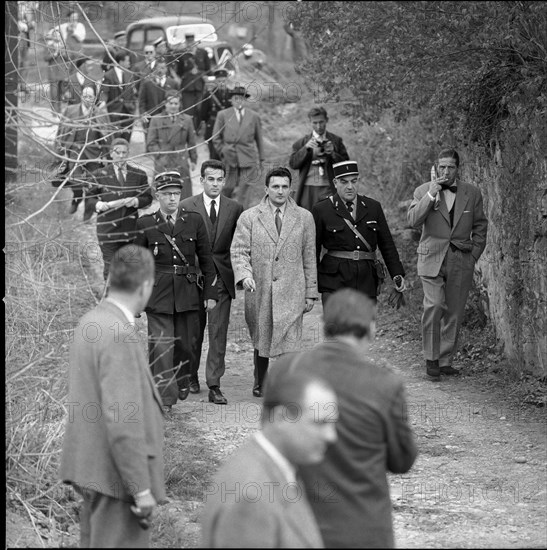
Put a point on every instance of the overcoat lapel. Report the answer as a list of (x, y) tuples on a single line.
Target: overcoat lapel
[(223, 211), (361, 209), (443, 209), (161, 224), (289, 219), (266, 219)]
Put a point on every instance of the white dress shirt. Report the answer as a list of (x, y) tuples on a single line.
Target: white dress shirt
[(207, 201), (281, 209), (127, 314)]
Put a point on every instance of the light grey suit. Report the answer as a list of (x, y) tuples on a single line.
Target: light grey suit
[(113, 441), (251, 505), (446, 271), (241, 148)]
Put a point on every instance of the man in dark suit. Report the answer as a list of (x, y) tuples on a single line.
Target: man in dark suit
[(153, 91), (175, 239), (113, 47), (313, 156), (83, 138), (352, 228), (120, 94), (454, 229), (192, 65), (256, 499), (216, 99), (112, 450), (349, 490), (143, 69), (237, 138), (220, 216), (117, 193), (172, 140)]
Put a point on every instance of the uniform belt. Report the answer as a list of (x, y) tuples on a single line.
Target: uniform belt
[(176, 269), (353, 255)]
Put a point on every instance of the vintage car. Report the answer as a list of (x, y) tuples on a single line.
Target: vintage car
[(172, 29)]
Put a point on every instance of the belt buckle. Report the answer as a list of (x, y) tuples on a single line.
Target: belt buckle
[(177, 267), (356, 254)]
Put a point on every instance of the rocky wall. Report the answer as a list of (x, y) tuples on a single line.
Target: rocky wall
[(512, 175)]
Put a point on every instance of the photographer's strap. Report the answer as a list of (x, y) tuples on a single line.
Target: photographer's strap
[(177, 249)]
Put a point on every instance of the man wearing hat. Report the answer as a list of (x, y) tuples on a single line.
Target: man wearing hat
[(172, 140), (175, 239), (216, 99), (192, 66), (237, 137), (113, 47), (352, 228), (79, 78)]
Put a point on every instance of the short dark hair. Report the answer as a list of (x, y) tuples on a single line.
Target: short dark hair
[(119, 141), (317, 111), (172, 93), (119, 56), (348, 312), (130, 267), (285, 387), (213, 164), (278, 171), (449, 154)]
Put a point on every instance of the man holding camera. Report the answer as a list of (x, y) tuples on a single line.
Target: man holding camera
[(313, 156), (352, 228)]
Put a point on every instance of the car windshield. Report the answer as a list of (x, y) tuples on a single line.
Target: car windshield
[(202, 32)]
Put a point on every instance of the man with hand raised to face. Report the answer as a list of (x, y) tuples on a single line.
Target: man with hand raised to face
[(220, 215), (453, 238)]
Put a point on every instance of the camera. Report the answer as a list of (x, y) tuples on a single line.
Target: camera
[(321, 148)]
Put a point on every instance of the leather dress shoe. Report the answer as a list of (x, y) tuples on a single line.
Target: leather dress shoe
[(167, 409), (183, 393), (194, 386), (257, 390), (432, 368), (73, 207), (216, 397), (450, 370)]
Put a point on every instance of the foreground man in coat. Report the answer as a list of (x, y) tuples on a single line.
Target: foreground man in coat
[(349, 490), (256, 499), (273, 257), (112, 451)]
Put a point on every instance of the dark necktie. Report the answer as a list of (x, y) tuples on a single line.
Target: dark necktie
[(121, 179), (213, 213), (278, 220), (349, 206), (170, 222)]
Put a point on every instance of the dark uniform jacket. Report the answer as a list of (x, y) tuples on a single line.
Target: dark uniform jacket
[(119, 224), (333, 233), (178, 293), (301, 158)]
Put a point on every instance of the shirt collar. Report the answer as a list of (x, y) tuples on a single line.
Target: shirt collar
[(280, 461), (127, 314), (319, 137), (164, 214), (274, 208), (119, 72), (207, 200)]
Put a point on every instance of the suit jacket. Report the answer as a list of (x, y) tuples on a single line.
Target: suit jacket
[(238, 144), (468, 231), (349, 490), (176, 293), (220, 234), (301, 159), (198, 62), (332, 232), (120, 97), (114, 432), (119, 224), (152, 95), (73, 91), (141, 72), (164, 135), (284, 269), (86, 138), (239, 519)]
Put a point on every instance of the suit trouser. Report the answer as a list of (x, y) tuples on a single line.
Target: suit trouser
[(444, 306), (172, 342), (238, 183), (217, 321), (107, 522)]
